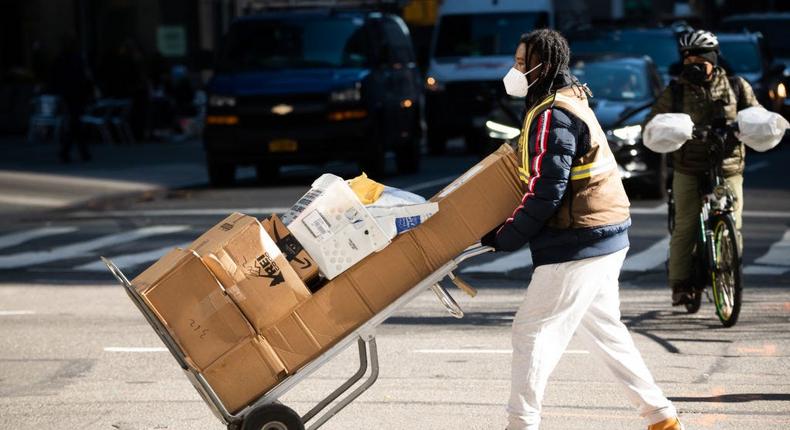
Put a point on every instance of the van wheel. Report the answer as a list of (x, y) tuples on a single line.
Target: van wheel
[(220, 174), (437, 142), (374, 163), (407, 156), (266, 173)]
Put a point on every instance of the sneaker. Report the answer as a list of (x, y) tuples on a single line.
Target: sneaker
[(681, 292), (668, 424)]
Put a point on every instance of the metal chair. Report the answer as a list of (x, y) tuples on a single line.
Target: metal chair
[(119, 118), (48, 112), (98, 115)]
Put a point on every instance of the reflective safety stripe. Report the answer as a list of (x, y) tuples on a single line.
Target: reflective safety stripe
[(523, 146), (591, 169)]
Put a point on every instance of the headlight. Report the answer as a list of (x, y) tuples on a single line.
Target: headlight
[(501, 131), (221, 101), (433, 84), (628, 134), (346, 95), (781, 91)]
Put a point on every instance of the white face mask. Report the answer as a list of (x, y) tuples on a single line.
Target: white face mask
[(516, 83)]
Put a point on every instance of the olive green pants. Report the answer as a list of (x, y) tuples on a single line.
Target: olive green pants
[(687, 208)]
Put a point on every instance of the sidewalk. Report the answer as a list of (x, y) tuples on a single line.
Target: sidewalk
[(32, 178)]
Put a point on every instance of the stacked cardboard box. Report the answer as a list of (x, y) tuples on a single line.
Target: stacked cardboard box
[(243, 315)]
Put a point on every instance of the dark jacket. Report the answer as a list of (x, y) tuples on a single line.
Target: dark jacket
[(562, 142)]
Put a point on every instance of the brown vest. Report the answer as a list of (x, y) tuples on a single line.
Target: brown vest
[(595, 195)]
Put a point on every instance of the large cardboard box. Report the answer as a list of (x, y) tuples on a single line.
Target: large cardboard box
[(245, 373), (252, 269), (300, 260), (471, 206), (190, 302), (317, 324)]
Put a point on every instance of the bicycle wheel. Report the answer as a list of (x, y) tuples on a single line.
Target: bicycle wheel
[(726, 271)]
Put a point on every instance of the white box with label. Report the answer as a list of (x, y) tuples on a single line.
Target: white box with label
[(335, 227)]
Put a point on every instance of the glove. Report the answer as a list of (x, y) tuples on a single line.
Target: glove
[(489, 239)]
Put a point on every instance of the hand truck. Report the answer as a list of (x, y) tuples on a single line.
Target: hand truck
[(266, 413)]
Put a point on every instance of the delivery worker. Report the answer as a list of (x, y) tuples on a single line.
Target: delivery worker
[(705, 92), (574, 214)]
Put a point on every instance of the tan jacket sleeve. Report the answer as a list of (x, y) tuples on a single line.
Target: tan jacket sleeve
[(748, 94), (663, 104)]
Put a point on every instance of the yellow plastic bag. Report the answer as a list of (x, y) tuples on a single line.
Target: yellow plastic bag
[(366, 189)]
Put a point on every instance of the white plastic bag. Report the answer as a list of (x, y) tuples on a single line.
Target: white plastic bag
[(667, 132), (760, 129), (397, 210)]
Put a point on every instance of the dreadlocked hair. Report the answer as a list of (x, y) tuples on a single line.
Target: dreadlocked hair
[(552, 50)]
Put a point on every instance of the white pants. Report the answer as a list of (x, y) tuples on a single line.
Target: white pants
[(561, 298)]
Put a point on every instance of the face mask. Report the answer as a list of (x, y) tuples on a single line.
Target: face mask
[(695, 73), (516, 83)]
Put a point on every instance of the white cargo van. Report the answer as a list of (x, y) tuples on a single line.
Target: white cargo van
[(472, 49)]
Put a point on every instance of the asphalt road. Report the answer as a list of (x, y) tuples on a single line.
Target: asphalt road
[(75, 353)]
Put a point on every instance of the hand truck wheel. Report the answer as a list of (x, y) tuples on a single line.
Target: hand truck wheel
[(272, 417)]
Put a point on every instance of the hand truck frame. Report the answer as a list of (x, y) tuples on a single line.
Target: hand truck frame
[(268, 413)]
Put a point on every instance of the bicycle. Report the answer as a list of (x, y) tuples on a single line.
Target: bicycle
[(716, 254)]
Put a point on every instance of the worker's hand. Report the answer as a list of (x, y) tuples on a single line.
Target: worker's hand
[(489, 239)]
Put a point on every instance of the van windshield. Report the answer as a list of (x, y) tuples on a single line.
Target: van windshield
[(313, 42), (482, 35), (774, 31), (742, 56)]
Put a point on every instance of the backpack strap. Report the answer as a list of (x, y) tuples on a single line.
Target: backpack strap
[(736, 83), (677, 95)]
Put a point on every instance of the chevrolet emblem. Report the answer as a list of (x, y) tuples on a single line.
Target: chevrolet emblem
[(282, 109)]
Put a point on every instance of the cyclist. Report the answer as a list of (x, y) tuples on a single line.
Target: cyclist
[(575, 217), (704, 92)]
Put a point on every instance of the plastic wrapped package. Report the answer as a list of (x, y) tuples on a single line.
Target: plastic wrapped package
[(760, 129), (667, 132)]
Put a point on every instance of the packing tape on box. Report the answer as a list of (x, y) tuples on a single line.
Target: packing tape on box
[(227, 272), (211, 304)]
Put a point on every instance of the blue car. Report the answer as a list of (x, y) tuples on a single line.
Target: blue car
[(311, 86)]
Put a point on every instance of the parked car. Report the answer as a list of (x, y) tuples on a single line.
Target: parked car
[(749, 56), (624, 88), (472, 49), (309, 86), (660, 44)]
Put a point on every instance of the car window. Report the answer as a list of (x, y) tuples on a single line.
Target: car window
[(775, 32), (295, 43), (400, 44), (662, 48), (742, 56), (484, 34), (614, 80)]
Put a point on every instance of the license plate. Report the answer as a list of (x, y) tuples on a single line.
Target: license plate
[(283, 145)]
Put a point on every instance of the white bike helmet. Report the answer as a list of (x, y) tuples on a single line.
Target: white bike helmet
[(698, 41)]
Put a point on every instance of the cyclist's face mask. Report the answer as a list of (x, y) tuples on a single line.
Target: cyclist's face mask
[(696, 72)]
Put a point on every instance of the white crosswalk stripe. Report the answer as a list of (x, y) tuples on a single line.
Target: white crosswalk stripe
[(512, 261), (651, 257), (14, 239), (129, 260), (80, 249), (774, 262)]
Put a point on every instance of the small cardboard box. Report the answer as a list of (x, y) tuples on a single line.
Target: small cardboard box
[(252, 269), (471, 206), (245, 373), (300, 260), (190, 302)]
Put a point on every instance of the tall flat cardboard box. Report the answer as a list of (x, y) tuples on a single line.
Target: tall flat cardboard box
[(294, 252), (252, 269), (471, 206), (190, 302), (244, 373)]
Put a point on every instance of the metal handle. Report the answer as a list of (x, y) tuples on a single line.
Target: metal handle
[(448, 301), (462, 285), (472, 251)]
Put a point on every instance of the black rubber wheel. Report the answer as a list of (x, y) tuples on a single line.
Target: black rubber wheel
[(220, 174), (437, 142), (266, 173), (273, 417), (726, 276), (408, 155)]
